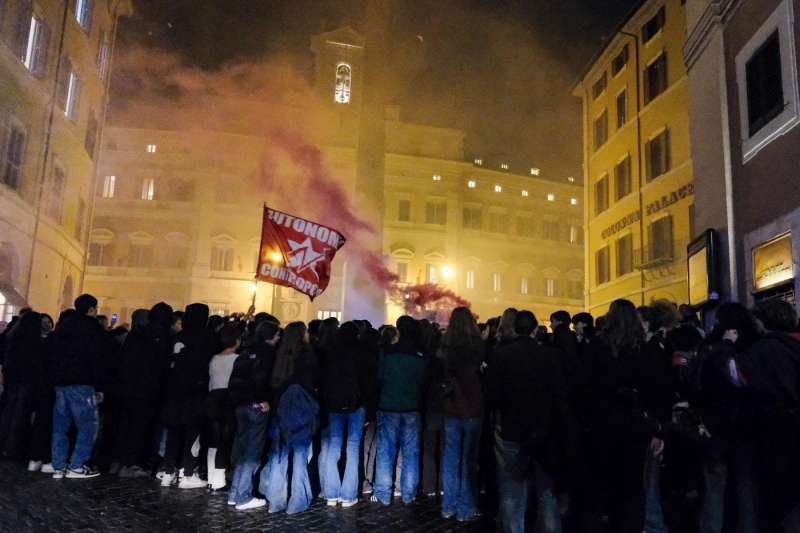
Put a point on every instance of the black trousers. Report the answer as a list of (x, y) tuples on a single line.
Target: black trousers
[(432, 449), (180, 439), (134, 431), (15, 422), (42, 433), (221, 421)]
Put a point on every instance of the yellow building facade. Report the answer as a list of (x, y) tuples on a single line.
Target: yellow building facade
[(55, 59), (638, 199), (177, 214)]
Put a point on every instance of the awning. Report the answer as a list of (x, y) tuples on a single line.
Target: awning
[(11, 295)]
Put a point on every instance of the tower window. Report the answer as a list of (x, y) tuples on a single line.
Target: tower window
[(344, 80)]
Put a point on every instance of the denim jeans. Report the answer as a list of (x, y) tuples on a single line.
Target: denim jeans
[(397, 429), (251, 429), (274, 482), (514, 491), (715, 478), (458, 466), (653, 514), (333, 488), (75, 404)]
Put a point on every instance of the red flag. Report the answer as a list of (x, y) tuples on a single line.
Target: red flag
[(296, 252)]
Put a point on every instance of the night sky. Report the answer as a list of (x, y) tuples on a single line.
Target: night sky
[(501, 69)]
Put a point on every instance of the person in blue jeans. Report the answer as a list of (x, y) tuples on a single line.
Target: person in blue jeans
[(79, 348), (294, 383), (343, 380), (401, 375), (463, 349), (249, 391)]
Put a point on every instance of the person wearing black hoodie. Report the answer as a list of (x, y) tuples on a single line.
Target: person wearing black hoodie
[(22, 370), (137, 391), (80, 349), (183, 414), (343, 379)]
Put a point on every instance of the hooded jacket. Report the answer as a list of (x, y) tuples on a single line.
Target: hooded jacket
[(139, 361), (81, 349), (401, 378)]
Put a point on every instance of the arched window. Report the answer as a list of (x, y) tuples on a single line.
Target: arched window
[(344, 77)]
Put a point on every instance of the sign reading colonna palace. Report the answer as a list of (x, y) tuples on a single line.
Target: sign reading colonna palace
[(177, 215)]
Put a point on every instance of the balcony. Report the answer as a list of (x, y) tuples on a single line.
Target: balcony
[(653, 257)]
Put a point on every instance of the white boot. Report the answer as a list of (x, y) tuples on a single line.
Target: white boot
[(34, 466), (210, 465), (217, 479), (167, 479)]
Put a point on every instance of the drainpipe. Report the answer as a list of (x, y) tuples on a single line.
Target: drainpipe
[(639, 158), (46, 153), (728, 170)]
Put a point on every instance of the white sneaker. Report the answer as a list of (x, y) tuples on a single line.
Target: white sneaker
[(191, 482), (59, 474), (231, 502), (217, 479), (332, 502), (346, 504), (47, 468), (254, 503), (160, 475), (34, 466), (167, 479)]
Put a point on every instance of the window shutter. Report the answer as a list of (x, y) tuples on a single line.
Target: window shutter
[(41, 49), (647, 162), (63, 82), (667, 151), (76, 98), (669, 245), (87, 14), (23, 28)]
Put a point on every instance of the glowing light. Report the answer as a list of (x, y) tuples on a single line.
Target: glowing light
[(437, 177), (498, 188), (573, 201), (551, 197), (479, 162), (504, 166), (571, 179), (151, 148), (447, 272), (471, 184), (535, 171), (253, 287), (344, 75), (524, 193), (276, 256)]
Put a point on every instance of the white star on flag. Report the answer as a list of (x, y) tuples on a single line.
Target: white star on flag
[(303, 256)]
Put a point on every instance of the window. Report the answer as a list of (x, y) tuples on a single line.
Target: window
[(624, 255), (622, 178), (620, 61), (573, 201), (523, 286), (535, 171), (148, 189), (601, 195), (55, 194), (661, 245), (402, 272), (657, 155), (575, 290), (34, 45), (322, 315), (83, 13), (655, 78), (504, 166), (69, 89), (437, 177), (471, 184), (91, 135), (498, 222), (404, 210), (497, 282), (472, 218), (602, 266), (470, 279), (599, 86), (103, 52), (151, 148), (766, 77), (550, 287), (575, 235), (524, 193), (550, 230), (80, 220), (601, 130), (16, 140), (551, 197), (222, 258), (622, 108), (109, 186), (436, 213), (175, 256), (431, 273), (498, 188), (654, 25), (344, 80), (140, 255), (100, 254)]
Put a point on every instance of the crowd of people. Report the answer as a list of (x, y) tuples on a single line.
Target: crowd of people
[(614, 423)]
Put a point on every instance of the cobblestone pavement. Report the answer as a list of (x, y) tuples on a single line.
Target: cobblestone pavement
[(36, 502)]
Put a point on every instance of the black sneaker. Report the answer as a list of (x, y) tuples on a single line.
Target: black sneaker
[(83, 472)]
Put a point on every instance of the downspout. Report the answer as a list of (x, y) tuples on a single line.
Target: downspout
[(46, 153), (99, 143), (728, 170), (639, 159), (587, 195)]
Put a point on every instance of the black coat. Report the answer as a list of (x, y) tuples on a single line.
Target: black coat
[(249, 382), (139, 370), (341, 386), (81, 350)]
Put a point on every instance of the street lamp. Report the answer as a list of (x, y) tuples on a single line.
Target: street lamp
[(447, 272)]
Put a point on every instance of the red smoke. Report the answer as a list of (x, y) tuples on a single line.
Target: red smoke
[(321, 193)]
